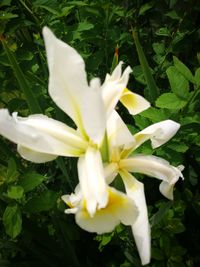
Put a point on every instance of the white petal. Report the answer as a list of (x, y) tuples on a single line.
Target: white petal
[(152, 166), (116, 74), (56, 129), (93, 112), (92, 180), (134, 102), (141, 228), (167, 188), (34, 156), (159, 133), (67, 81), (69, 88), (32, 138), (110, 172), (113, 87), (118, 132), (120, 208)]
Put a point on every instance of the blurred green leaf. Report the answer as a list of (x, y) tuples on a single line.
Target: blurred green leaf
[(15, 192), (12, 220), (197, 77), (30, 181), (44, 202), (12, 172)]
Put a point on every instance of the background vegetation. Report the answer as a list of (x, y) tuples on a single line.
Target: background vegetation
[(34, 231)]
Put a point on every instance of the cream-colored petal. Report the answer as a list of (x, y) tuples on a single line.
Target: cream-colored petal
[(152, 166), (134, 102), (67, 80), (92, 180), (34, 156), (118, 133), (120, 208), (159, 133), (110, 172), (93, 112), (167, 188), (56, 129), (69, 88), (32, 138), (141, 228), (113, 87)]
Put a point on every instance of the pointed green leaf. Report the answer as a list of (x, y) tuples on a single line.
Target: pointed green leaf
[(179, 84), (30, 181), (183, 69)]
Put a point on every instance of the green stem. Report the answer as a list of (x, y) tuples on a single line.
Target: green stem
[(104, 149), (153, 92)]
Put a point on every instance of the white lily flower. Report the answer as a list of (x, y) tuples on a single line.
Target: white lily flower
[(42, 139), (123, 163)]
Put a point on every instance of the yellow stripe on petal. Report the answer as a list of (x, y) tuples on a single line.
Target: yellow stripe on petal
[(134, 102)]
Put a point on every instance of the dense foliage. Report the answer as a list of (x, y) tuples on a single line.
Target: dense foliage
[(34, 231)]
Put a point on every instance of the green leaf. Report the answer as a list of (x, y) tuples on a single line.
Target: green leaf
[(179, 147), (151, 85), (159, 48), (163, 32), (6, 16), (179, 84), (159, 215), (145, 8), (12, 172), (197, 77), (30, 98), (170, 101), (12, 221), (84, 26), (44, 202), (15, 192), (157, 254), (183, 69), (154, 114), (31, 180)]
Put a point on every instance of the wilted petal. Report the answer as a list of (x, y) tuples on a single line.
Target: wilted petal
[(120, 208), (16, 130), (134, 102), (167, 188), (118, 133), (113, 87), (141, 228), (152, 166), (92, 180), (159, 133)]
